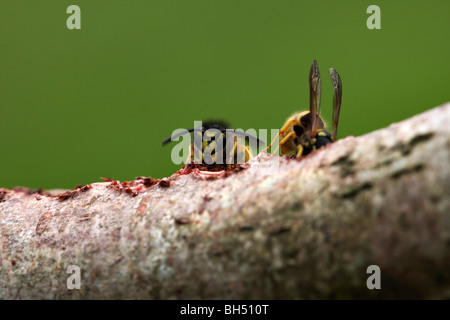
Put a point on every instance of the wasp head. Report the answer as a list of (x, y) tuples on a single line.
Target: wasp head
[(302, 130)]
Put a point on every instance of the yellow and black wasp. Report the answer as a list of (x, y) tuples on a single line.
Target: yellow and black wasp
[(306, 131), (215, 143)]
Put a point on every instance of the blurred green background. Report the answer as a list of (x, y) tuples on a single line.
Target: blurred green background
[(76, 105)]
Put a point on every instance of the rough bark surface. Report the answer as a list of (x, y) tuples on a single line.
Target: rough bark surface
[(279, 229)]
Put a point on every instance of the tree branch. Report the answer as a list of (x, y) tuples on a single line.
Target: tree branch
[(279, 229)]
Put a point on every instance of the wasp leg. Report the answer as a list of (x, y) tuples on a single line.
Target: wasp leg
[(190, 156), (281, 131), (299, 151), (248, 153), (208, 157), (292, 134), (270, 145), (230, 156)]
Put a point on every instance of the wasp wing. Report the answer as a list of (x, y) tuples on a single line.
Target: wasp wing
[(337, 99), (245, 135), (315, 87)]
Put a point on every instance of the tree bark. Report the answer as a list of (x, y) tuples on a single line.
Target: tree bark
[(279, 229)]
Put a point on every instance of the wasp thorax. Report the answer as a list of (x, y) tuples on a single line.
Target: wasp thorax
[(302, 133), (304, 120)]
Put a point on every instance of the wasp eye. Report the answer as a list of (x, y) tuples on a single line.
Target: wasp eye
[(298, 130)]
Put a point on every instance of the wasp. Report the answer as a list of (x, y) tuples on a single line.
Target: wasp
[(213, 144), (306, 131)]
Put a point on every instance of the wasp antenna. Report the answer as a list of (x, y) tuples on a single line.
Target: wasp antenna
[(315, 87), (337, 100), (179, 134)]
